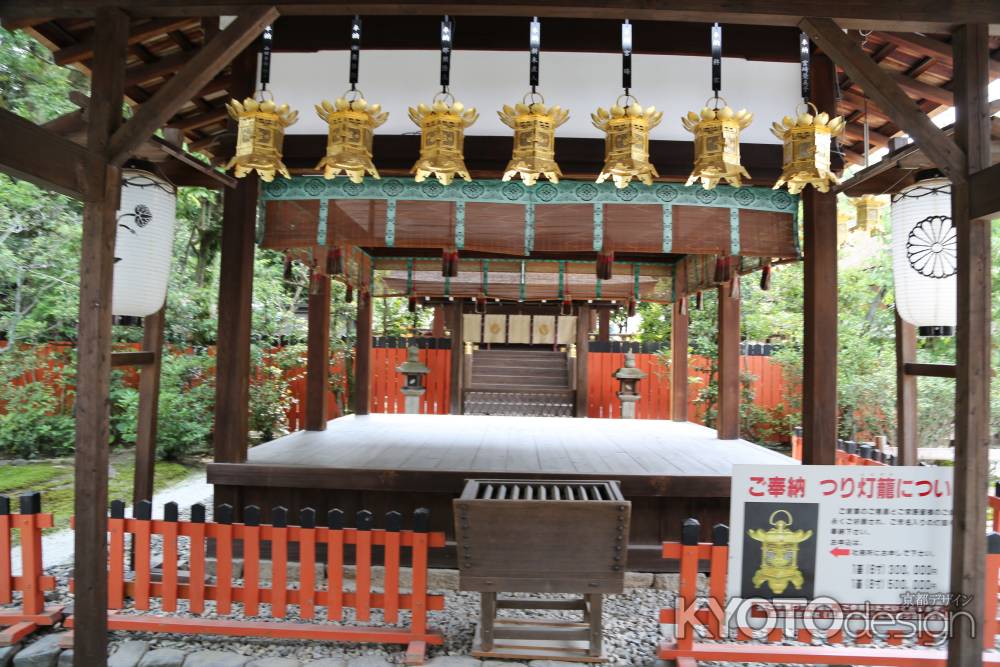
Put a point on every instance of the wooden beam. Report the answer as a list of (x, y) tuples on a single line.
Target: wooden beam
[(93, 380), (141, 74), (973, 348), (583, 325), (133, 359), (363, 354), (985, 193), (33, 153), (906, 394), (931, 46), (149, 398), (318, 352), (922, 90), (84, 50), (881, 87), (604, 325), (903, 15), (728, 407), (197, 121), (679, 325), (929, 370), (457, 379), (819, 378), (200, 70)]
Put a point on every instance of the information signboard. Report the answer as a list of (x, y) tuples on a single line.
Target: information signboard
[(856, 534)]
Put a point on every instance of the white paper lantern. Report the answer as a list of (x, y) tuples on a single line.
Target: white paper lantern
[(925, 256), (144, 243)]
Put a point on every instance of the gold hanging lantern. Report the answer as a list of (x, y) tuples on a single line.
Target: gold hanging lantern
[(349, 140), (806, 139), (626, 143), (779, 558), (717, 144), (259, 138), (442, 138), (534, 128), (869, 211)]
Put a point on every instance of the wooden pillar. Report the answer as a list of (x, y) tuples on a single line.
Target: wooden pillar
[(583, 324), (679, 350), (363, 355), (437, 324), (232, 361), (819, 378), (457, 358), (149, 397), (604, 325), (906, 394), (90, 502), (728, 418), (972, 345), (318, 352)]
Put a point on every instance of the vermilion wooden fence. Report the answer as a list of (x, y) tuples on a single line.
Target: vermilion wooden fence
[(256, 598), (387, 383), (684, 649), (26, 613)]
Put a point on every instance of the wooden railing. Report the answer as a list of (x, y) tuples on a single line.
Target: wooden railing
[(683, 647), (22, 614), (849, 453)]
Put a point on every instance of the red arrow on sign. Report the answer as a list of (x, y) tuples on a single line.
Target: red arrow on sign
[(840, 551)]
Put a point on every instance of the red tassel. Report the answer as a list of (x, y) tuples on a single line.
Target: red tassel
[(349, 295), (334, 262), (734, 288), (315, 280), (412, 305), (287, 275), (605, 261), (723, 270), (765, 277), (631, 307), (683, 306), (449, 264), (697, 301), (480, 305), (566, 308)]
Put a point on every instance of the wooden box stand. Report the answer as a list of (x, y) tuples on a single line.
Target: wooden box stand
[(537, 536)]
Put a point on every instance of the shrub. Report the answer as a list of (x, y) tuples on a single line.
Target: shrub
[(36, 419)]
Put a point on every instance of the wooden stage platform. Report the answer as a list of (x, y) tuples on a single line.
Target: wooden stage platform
[(669, 470)]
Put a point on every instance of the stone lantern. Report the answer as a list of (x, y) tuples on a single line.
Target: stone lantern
[(413, 385), (628, 385)]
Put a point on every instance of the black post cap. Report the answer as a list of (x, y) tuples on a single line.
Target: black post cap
[(143, 510), (170, 512), (307, 517), (117, 509), (31, 503), (251, 515), (4, 505), (993, 543), (690, 532), (393, 522), (224, 514), (198, 513), (365, 520), (279, 517), (720, 534), (422, 520), (335, 519)]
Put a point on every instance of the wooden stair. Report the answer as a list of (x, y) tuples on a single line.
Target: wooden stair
[(519, 382)]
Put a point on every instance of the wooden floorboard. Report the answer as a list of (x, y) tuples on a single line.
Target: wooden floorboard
[(513, 444)]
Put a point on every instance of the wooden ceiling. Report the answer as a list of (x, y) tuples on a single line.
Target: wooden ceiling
[(158, 47)]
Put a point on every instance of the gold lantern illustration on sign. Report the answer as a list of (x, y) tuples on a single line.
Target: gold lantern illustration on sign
[(442, 137), (779, 558), (534, 128), (626, 144), (868, 209), (259, 138), (717, 144), (806, 140), (349, 140)]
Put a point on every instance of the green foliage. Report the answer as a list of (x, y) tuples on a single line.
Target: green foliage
[(37, 420)]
